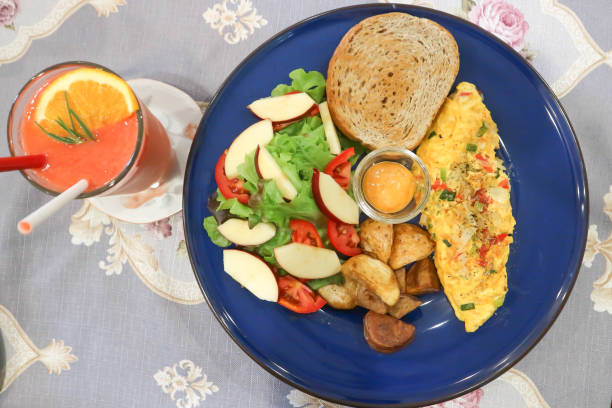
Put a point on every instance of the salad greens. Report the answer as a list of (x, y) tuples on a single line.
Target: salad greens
[(233, 206), (210, 225), (311, 82), (298, 149), (337, 279)]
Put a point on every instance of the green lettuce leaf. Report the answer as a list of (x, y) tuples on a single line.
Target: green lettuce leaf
[(210, 225), (316, 284), (233, 206), (266, 250), (282, 89), (311, 82), (249, 173)]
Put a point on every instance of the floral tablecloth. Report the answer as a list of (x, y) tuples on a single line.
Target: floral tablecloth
[(97, 312)]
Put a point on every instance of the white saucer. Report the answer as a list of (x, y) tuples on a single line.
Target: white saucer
[(180, 115)]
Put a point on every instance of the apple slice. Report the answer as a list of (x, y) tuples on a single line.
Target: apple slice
[(332, 200), (251, 272), (306, 261), (283, 108), (257, 134), (268, 169), (330, 129), (238, 232)]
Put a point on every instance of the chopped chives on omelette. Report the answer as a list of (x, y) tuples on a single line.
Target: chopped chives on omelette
[(483, 129)]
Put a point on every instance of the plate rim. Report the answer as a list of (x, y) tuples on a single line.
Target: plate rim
[(554, 100)]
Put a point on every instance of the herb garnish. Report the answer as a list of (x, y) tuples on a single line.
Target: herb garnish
[(471, 147), (447, 195), (75, 136), (483, 129), (448, 244), (432, 134), (467, 306)]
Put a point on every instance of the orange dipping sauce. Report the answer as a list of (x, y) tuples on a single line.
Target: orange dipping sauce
[(98, 161), (388, 186)]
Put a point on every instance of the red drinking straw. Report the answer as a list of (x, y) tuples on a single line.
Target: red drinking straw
[(34, 161)]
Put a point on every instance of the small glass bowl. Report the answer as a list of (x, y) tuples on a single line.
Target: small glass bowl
[(407, 159)]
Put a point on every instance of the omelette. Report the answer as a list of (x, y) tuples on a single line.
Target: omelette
[(468, 213)]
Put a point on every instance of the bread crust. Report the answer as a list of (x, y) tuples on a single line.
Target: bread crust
[(388, 77)]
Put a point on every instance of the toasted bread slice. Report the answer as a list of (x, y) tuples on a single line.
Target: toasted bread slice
[(388, 78)]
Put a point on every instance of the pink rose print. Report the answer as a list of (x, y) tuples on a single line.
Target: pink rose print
[(502, 19), (8, 12), (470, 400), (161, 229)]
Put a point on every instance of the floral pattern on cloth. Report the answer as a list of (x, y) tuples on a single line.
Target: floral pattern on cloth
[(299, 399), (167, 273), (469, 400), (234, 24), (162, 228), (187, 380), (514, 388), (8, 12), (502, 19), (17, 16), (602, 287), (56, 357)]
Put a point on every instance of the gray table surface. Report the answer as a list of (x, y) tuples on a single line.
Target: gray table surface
[(125, 334)]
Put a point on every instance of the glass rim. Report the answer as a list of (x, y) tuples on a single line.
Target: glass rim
[(128, 166), (367, 208)]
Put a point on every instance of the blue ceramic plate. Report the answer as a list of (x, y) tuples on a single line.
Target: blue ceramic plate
[(325, 353)]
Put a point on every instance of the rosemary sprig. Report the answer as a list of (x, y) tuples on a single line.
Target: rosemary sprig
[(56, 137), (68, 109), (70, 131), (75, 136), (72, 114)]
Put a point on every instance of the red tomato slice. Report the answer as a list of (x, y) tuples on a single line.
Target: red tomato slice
[(230, 188), (340, 168), (303, 232), (343, 237), (504, 184), (296, 296)]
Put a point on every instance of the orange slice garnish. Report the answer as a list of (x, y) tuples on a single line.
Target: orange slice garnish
[(98, 97)]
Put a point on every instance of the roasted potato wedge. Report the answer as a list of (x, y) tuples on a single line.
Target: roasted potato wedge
[(374, 275), (369, 300), (386, 334), (400, 274), (338, 296), (422, 278), (376, 239), (410, 243), (404, 305)]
